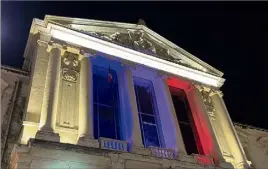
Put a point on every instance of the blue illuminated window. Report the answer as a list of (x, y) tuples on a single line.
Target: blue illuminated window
[(106, 104), (147, 112)]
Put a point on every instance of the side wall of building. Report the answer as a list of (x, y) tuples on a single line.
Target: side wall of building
[(255, 145), (13, 95)]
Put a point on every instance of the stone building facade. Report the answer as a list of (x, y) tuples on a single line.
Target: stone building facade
[(97, 94)]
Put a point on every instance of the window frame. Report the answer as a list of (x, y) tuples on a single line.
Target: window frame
[(115, 108), (175, 91), (148, 85)]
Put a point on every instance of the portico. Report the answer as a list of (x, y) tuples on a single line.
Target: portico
[(68, 112)]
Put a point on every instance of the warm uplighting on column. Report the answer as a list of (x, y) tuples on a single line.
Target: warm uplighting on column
[(51, 93), (85, 136)]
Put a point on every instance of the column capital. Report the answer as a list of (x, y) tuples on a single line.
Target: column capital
[(42, 43), (44, 36), (87, 53), (128, 65), (210, 91), (54, 45), (43, 39), (192, 86), (218, 92), (74, 50), (162, 75)]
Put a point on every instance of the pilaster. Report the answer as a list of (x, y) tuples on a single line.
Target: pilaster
[(229, 132), (135, 138), (168, 116), (202, 112)]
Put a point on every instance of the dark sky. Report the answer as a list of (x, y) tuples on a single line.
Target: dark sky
[(230, 36)]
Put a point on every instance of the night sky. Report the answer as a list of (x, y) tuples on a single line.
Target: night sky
[(230, 36)]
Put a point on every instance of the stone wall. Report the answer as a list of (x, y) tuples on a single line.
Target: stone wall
[(44, 154), (255, 144), (13, 97)]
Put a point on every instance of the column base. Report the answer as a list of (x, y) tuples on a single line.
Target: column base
[(241, 165), (140, 150), (225, 164), (21, 165), (88, 142), (48, 135)]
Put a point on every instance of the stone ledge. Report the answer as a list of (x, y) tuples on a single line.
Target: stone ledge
[(47, 135), (141, 151), (88, 142), (67, 147), (225, 164), (36, 145)]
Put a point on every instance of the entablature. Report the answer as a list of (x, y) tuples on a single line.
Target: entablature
[(138, 39)]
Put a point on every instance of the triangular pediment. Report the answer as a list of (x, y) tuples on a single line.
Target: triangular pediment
[(136, 37)]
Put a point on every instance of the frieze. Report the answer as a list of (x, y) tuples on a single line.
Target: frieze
[(70, 67), (138, 40)]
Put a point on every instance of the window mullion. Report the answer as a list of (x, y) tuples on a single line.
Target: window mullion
[(139, 113), (154, 113), (98, 115)]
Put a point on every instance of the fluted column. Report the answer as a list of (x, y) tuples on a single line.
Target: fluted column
[(51, 92), (206, 134), (169, 114), (86, 137), (229, 131)]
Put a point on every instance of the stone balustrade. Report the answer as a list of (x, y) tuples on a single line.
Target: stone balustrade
[(162, 152), (111, 144)]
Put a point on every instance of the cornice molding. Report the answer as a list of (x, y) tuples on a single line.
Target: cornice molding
[(252, 128), (87, 41), (79, 23), (14, 70)]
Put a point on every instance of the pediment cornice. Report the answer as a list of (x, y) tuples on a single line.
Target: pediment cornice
[(135, 45), (137, 37)]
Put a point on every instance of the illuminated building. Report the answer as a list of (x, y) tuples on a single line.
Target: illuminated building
[(103, 94)]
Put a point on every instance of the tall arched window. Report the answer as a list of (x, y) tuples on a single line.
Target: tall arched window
[(106, 103)]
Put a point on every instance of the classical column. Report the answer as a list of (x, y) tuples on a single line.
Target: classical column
[(228, 128), (51, 92), (132, 110), (86, 137), (136, 131), (206, 134), (170, 126)]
